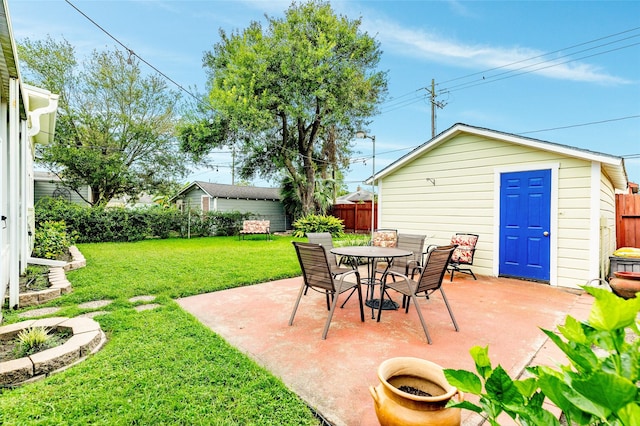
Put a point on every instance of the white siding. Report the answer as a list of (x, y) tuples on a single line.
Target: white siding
[(463, 199), (607, 224)]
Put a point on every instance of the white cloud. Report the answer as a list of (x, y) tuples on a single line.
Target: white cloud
[(431, 47)]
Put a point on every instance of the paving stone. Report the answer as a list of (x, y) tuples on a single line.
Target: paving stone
[(93, 314), (142, 298), (38, 312), (146, 307), (95, 304)]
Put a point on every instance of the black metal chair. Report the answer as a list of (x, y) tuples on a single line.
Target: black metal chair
[(430, 280), (463, 255), (317, 275)]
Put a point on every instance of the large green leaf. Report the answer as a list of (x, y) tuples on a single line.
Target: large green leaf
[(608, 390), (557, 391), (572, 330), (500, 388), (480, 356), (464, 380), (581, 356), (609, 311), (629, 414)]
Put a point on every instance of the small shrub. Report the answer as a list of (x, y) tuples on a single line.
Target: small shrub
[(51, 240), (318, 223), (32, 340)]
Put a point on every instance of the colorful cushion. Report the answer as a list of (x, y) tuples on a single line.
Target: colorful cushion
[(385, 238), (464, 252)]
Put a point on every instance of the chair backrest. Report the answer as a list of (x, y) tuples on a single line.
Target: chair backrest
[(385, 238), (411, 242), (466, 249), (435, 268), (326, 241), (315, 266)]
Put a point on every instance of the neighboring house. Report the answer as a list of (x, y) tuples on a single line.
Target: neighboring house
[(48, 185), (263, 202), (27, 117), (359, 196), (544, 211)]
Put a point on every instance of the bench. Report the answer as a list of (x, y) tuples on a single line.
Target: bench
[(255, 227)]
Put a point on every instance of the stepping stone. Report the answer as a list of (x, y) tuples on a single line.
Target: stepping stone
[(142, 298), (146, 307), (93, 314), (38, 312), (94, 304)]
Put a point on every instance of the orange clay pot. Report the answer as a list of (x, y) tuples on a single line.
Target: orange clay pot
[(626, 284), (396, 407)]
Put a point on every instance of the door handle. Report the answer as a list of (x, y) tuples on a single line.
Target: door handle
[(545, 233)]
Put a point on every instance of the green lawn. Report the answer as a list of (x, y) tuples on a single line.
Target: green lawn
[(162, 366)]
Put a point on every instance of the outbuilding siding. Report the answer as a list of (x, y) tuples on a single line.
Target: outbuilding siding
[(454, 187), (265, 209)]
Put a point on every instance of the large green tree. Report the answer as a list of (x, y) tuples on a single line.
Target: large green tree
[(116, 127), (290, 97)]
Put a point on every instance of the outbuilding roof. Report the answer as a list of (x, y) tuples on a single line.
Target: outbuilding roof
[(611, 164), (220, 190)]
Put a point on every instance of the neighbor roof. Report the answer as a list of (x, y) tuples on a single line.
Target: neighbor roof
[(234, 191), (612, 165)]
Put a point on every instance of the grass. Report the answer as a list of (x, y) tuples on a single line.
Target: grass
[(162, 366)]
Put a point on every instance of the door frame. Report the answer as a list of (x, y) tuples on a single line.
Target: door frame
[(553, 214)]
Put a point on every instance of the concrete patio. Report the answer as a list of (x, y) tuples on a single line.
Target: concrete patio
[(333, 375)]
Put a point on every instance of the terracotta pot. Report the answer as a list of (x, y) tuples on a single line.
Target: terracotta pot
[(625, 284), (396, 407)]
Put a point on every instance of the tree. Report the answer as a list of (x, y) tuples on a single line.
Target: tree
[(115, 126), (291, 97)]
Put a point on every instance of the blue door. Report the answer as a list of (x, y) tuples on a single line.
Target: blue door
[(525, 219)]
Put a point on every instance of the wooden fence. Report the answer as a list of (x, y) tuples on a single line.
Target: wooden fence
[(627, 220), (356, 217)]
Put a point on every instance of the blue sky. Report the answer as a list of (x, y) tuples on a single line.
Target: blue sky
[(521, 67)]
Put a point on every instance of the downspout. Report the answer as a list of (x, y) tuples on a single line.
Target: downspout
[(14, 181), (23, 175)]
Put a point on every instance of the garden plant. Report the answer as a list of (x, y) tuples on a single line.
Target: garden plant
[(599, 386)]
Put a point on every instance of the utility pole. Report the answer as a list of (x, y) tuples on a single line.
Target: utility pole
[(434, 104)]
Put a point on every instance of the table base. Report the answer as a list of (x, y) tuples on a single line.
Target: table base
[(387, 305)]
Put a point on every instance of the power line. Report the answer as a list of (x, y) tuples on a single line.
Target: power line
[(539, 56), (132, 53), (580, 125)]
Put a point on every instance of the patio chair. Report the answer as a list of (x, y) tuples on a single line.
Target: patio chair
[(404, 265), (318, 276), (463, 255), (430, 280), (326, 241)]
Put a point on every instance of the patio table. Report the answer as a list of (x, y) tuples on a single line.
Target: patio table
[(372, 253)]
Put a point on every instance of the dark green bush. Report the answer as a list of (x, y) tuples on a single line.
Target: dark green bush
[(97, 224), (318, 223), (51, 240)]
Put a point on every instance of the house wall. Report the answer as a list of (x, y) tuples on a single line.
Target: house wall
[(463, 199), (45, 188)]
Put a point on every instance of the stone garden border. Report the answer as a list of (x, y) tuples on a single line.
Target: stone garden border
[(87, 338), (57, 278)]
